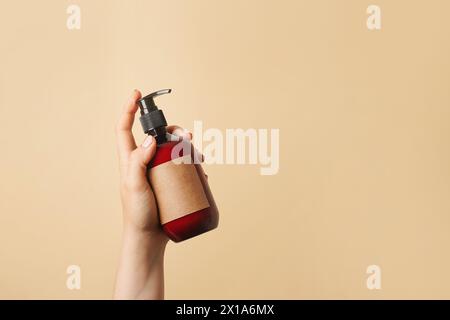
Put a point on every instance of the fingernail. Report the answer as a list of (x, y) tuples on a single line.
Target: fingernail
[(148, 142), (183, 133), (178, 131)]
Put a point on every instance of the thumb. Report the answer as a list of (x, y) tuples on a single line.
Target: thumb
[(139, 159)]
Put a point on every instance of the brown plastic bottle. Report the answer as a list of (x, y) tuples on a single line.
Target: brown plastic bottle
[(185, 203)]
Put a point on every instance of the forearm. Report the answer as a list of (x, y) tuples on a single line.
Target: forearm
[(141, 268)]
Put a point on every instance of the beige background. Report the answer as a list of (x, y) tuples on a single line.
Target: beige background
[(365, 136)]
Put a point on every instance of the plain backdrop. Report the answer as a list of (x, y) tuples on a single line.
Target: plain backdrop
[(363, 115)]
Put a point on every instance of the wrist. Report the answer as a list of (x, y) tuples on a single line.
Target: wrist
[(141, 269), (156, 239)]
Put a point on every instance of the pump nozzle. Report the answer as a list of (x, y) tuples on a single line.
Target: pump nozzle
[(147, 103), (151, 117)]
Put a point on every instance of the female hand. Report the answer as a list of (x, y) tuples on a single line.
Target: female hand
[(140, 273)]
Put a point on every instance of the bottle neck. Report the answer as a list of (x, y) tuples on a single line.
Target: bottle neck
[(160, 134)]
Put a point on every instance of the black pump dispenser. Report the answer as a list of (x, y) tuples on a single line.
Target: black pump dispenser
[(152, 119)]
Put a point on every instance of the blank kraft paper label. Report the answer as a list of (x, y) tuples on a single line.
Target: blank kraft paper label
[(178, 189)]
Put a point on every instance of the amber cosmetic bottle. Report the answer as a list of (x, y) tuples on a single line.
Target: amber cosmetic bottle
[(185, 203)]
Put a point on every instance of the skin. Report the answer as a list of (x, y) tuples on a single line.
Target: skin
[(140, 273)]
